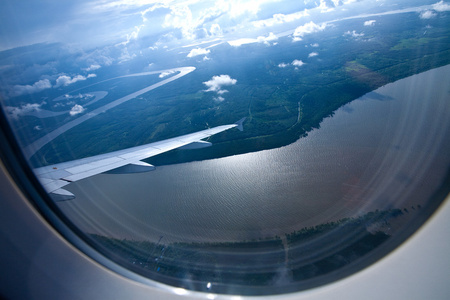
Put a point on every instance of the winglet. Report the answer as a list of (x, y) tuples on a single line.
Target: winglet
[(239, 124)]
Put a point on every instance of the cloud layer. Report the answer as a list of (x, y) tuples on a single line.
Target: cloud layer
[(296, 63), (38, 86), (428, 14), (267, 40), (217, 82), (76, 109), (16, 112), (198, 51), (65, 80), (308, 28), (370, 22), (166, 73)]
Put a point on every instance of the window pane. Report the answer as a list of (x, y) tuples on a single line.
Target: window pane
[(294, 143)]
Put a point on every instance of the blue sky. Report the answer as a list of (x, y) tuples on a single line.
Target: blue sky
[(166, 23), (94, 34)]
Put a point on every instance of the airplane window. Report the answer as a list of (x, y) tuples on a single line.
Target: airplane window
[(237, 147)]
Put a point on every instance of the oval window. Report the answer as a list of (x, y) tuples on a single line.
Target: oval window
[(246, 147)]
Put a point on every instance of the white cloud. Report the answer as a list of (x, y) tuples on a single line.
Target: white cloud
[(427, 14), (181, 18), (76, 109), (266, 40), (354, 34), (65, 80), (297, 63), (38, 86), (336, 2), (312, 54), (219, 98), (243, 41), (217, 82), (308, 28), (323, 7), (236, 8), (133, 35), (190, 19), (16, 112), (280, 19), (92, 68), (126, 56), (166, 73), (369, 22), (198, 51), (315, 45), (151, 9), (91, 75), (441, 6), (215, 30), (97, 58), (260, 39)]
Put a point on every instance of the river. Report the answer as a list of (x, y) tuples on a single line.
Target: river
[(387, 149)]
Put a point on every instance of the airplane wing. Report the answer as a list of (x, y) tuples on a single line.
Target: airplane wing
[(54, 177)]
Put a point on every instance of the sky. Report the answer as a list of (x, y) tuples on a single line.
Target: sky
[(97, 23), (92, 34)]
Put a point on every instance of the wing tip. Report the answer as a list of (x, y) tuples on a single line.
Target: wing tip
[(61, 195), (239, 124)]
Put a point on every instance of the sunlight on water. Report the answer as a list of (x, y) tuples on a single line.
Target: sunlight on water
[(366, 157)]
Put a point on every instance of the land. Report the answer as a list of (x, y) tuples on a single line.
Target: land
[(281, 104), (265, 266), (290, 106)]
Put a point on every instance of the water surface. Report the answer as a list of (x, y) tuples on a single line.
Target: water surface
[(387, 149)]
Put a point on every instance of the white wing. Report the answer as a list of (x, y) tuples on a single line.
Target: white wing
[(54, 177)]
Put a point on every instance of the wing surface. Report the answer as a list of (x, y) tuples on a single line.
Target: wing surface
[(54, 177)]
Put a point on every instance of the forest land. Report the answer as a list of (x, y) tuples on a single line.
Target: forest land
[(281, 105)]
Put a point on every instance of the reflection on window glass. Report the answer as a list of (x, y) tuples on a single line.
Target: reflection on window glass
[(289, 144)]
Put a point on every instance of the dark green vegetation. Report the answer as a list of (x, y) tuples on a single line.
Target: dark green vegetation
[(252, 266), (281, 104)]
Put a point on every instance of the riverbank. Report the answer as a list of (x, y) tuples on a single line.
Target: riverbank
[(358, 161), (263, 266), (315, 106)]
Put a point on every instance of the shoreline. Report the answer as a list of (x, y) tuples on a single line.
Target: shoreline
[(275, 140), (230, 180)]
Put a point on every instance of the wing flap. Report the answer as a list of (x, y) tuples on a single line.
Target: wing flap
[(144, 153), (94, 169), (196, 145), (138, 167), (94, 165)]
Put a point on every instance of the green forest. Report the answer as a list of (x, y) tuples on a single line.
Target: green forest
[(281, 104)]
